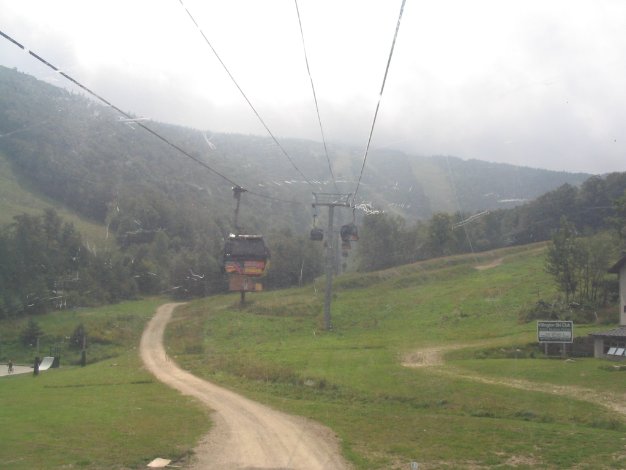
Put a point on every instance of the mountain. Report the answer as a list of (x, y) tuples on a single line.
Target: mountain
[(426, 185), (67, 148)]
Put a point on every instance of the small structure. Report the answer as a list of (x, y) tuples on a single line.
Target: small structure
[(612, 344)]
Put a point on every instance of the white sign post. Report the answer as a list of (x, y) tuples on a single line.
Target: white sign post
[(555, 331)]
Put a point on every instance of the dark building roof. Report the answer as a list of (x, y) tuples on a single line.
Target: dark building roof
[(615, 333), (615, 269)]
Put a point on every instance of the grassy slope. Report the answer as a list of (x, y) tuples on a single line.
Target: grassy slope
[(16, 199), (387, 415), (111, 414)]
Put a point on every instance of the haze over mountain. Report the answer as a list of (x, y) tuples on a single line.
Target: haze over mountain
[(89, 158)]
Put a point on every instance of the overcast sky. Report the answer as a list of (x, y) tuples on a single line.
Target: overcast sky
[(535, 83)]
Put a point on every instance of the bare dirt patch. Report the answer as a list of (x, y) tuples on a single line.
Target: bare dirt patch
[(427, 357), (493, 264), (246, 434)]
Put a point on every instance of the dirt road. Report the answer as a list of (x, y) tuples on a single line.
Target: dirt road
[(246, 435), (430, 357)]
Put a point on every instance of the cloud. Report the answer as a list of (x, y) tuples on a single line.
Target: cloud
[(526, 82)]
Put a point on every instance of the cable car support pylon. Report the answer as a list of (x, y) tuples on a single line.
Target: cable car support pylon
[(330, 200)]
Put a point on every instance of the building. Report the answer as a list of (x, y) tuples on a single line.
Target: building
[(612, 344)]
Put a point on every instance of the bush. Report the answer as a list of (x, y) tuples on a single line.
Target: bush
[(559, 310)]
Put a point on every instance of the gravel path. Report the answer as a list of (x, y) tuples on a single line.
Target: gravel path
[(246, 434)]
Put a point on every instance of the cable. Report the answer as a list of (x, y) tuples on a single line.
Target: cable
[(128, 116), (272, 198), (380, 95), (243, 94), (319, 119), (123, 113)]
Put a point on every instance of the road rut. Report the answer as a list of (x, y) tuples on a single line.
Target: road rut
[(246, 434)]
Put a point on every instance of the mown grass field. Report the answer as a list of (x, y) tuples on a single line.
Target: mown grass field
[(387, 415), (109, 414)]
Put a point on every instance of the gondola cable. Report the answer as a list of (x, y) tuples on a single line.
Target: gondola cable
[(111, 105), (139, 123), (244, 256), (317, 109), (193, 20), (380, 95)]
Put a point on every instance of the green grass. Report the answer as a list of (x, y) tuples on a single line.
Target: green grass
[(17, 198), (386, 415), (589, 373), (110, 414), (111, 330)]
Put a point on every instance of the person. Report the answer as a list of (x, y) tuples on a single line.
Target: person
[(36, 366), (10, 366)]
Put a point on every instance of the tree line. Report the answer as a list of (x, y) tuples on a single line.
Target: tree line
[(585, 227), (47, 265), (598, 204), (160, 249)]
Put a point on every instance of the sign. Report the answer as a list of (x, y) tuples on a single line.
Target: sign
[(246, 268), (555, 331), (243, 284)]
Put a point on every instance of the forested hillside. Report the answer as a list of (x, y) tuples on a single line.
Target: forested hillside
[(164, 216), (599, 204), (86, 156), (45, 265)]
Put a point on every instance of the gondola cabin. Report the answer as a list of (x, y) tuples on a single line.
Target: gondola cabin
[(349, 233), (317, 234), (246, 255)]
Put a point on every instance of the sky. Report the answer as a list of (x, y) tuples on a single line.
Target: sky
[(528, 82)]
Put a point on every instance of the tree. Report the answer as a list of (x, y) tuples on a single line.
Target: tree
[(594, 203), (45, 265), (380, 238), (31, 333), (441, 237), (579, 264), (293, 258), (561, 258), (593, 255), (618, 221), (79, 337)]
